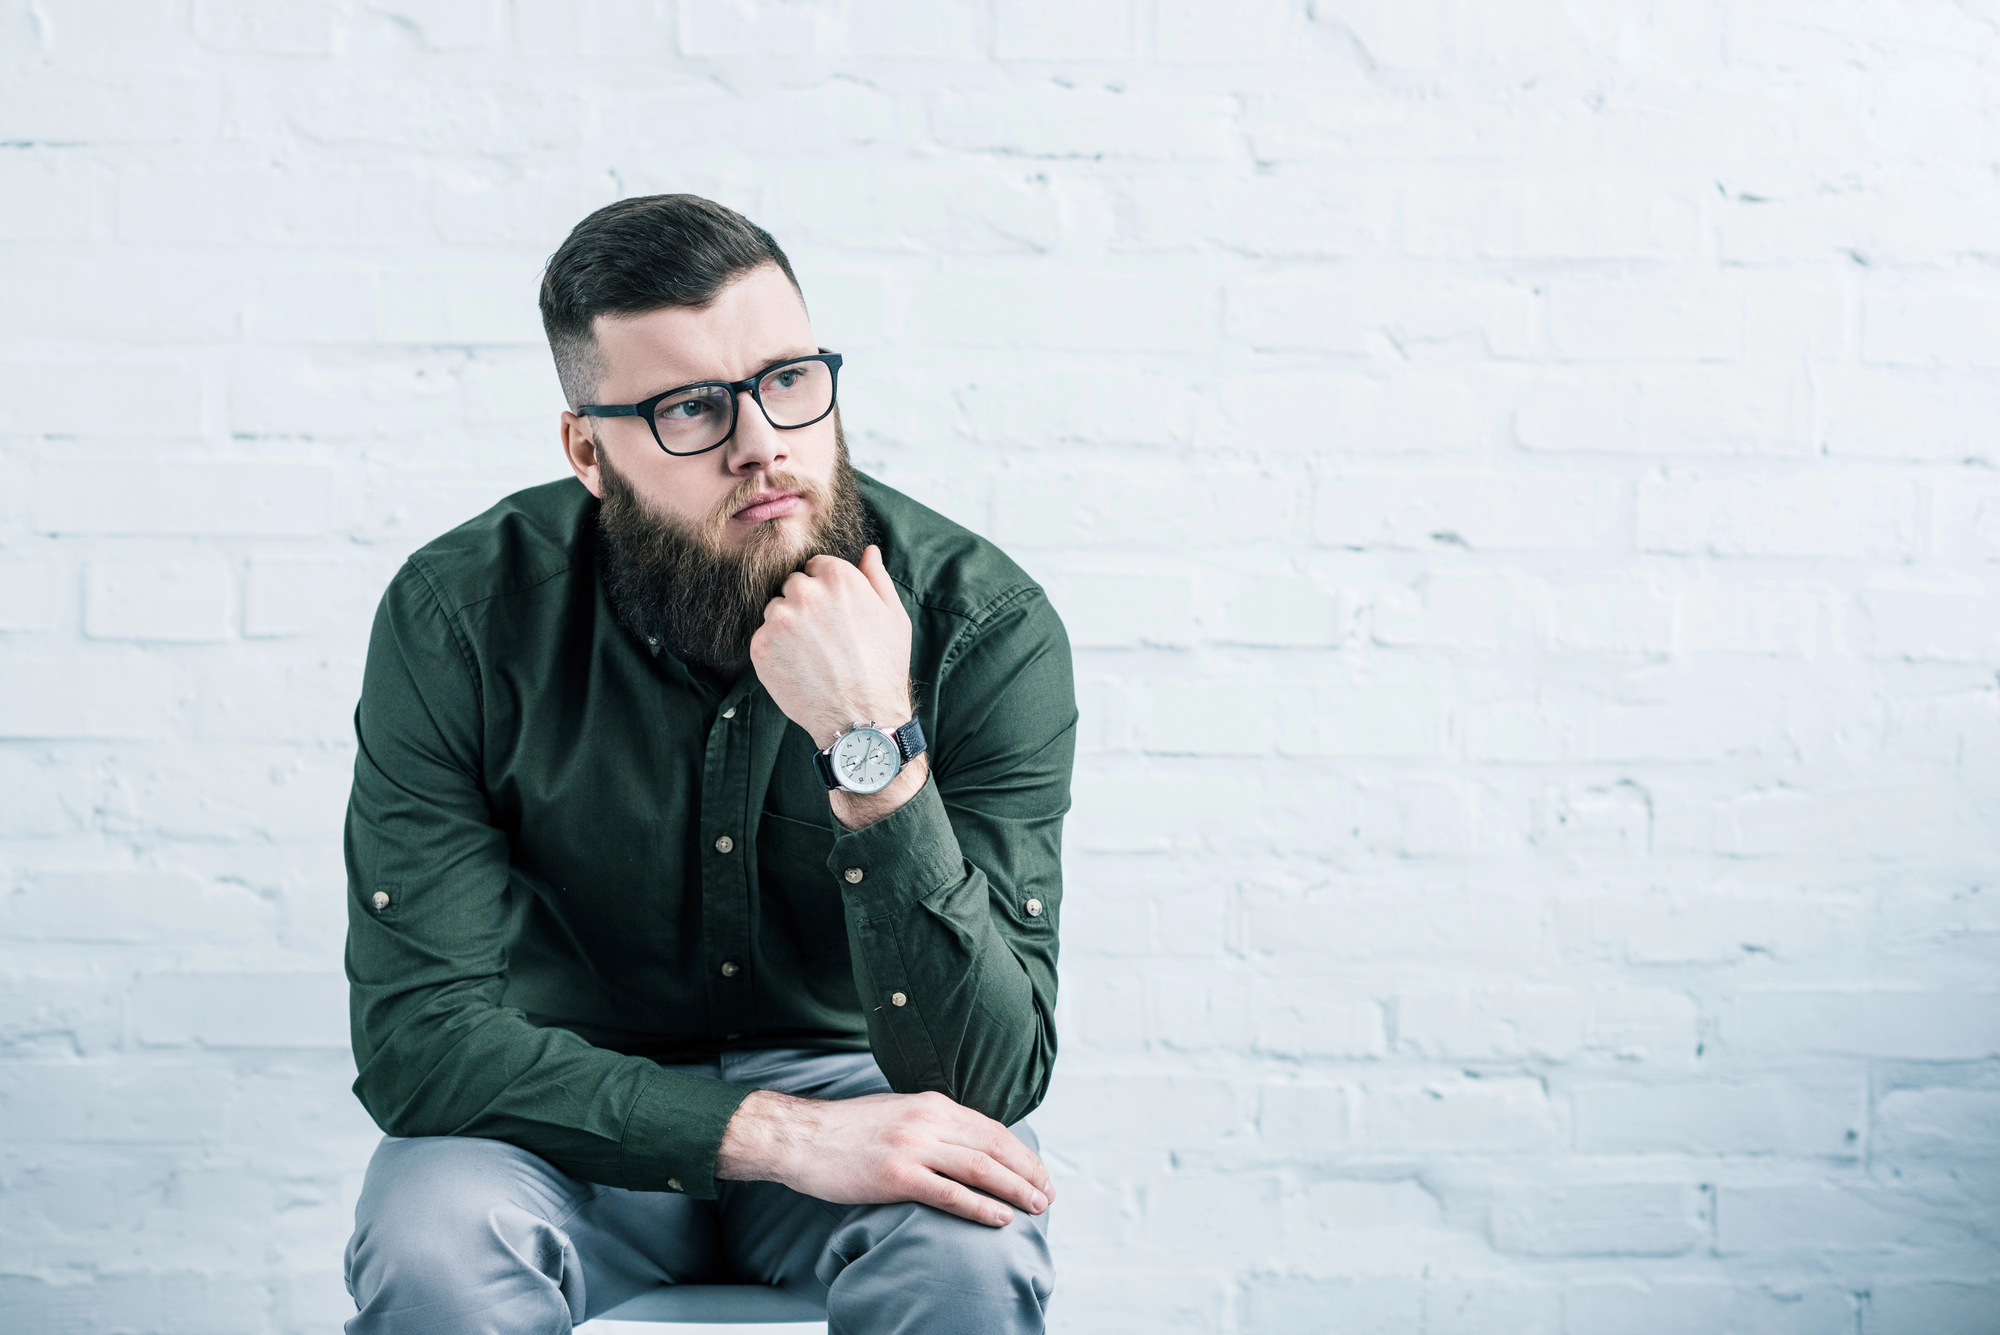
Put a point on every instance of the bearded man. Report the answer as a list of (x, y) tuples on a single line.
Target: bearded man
[(704, 848)]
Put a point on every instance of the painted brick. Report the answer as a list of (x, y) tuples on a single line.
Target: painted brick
[(1670, 1307), (1754, 617), (54, 198), (1673, 411), (1938, 1124), (1937, 1307), (1044, 30), (99, 698), (1327, 1306), (1573, 218), (1360, 311), (1873, 413), (1382, 713), (119, 906), (187, 600), (1923, 328), (720, 28), (1361, 925), (196, 498), (1271, 611), (1274, 215), (1113, 610), (1191, 32), (1645, 322), (1598, 1219), (1496, 1116), (1312, 1018), (1818, 1219), (1075, 313), (1835, 516), (110, 1101), (1456, 610), (1631, 617), (27, 594), (1060, 122), (1931, 621), (1912, 1026), (1554, 512), (1705, 929), (1481, 1305), (1819, 1116), (241, 1010), (159, 402)]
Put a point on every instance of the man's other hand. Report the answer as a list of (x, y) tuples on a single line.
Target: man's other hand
[(884, 1148), (834, 649)]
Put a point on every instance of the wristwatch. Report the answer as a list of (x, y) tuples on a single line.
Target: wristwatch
[(867, 759)]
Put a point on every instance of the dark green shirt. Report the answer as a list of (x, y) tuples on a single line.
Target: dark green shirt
[(570, 858)]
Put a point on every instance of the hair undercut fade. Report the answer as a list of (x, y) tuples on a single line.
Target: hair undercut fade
[(646, 254)]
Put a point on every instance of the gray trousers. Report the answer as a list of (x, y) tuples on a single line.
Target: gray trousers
[(457, 1234)]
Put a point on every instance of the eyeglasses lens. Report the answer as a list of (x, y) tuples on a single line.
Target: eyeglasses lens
[(691, 422), (796, 393)]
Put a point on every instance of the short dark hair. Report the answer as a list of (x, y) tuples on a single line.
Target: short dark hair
[(639, 255)]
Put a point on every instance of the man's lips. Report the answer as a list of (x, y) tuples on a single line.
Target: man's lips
[(769, 505)]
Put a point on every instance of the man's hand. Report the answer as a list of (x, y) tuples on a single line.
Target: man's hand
[(883, 1148), (834, 648)]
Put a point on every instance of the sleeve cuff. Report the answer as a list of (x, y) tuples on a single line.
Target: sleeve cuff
[(675, 1131), (885, 867)]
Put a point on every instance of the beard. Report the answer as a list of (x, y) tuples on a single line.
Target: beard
[(673, 581)]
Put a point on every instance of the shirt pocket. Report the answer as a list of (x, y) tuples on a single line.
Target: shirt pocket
[(801, 897)]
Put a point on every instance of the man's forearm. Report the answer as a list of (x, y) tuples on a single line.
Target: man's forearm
[(883, 1148)]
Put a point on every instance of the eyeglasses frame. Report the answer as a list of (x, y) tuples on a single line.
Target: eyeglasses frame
[(643, 409)]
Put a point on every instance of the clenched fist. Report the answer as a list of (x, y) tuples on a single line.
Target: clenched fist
[(834, 650)]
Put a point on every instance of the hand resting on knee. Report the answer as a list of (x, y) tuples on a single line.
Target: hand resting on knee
[(880, 1149)]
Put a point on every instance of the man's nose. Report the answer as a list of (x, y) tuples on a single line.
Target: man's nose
[(755, 442)]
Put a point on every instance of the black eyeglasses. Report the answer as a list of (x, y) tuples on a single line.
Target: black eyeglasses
[(695, 419)]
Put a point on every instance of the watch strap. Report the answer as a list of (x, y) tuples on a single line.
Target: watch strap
[(910, 744), (910, 739)]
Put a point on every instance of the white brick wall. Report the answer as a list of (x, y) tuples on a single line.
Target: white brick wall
[(1519, 477)]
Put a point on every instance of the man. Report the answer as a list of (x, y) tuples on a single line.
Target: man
[(703, 853)]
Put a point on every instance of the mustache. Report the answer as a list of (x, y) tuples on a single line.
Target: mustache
[(759, 484)]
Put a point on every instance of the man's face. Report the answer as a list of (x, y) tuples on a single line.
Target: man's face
[(741, 492)]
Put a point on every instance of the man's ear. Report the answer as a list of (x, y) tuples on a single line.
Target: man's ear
[(580, 448)]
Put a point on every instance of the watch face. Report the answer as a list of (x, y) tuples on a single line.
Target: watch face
[(865, 760)]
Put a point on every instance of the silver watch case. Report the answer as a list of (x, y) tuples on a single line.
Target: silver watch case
[(865, 759)]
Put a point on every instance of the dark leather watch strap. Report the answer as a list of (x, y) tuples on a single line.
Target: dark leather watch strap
[(823, 767)]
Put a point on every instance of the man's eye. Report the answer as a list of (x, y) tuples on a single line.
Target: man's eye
[(786, 379), (686, 408)]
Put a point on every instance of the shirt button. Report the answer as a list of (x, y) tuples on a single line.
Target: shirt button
[(897, 998), (853, 875), (654, 640), (1034, 907), (381, 901), (729, 712), (673, 1184), (724, 844), (729, 968)]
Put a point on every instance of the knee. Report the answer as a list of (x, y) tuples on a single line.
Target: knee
[(930, 1247), (443, 1218)]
